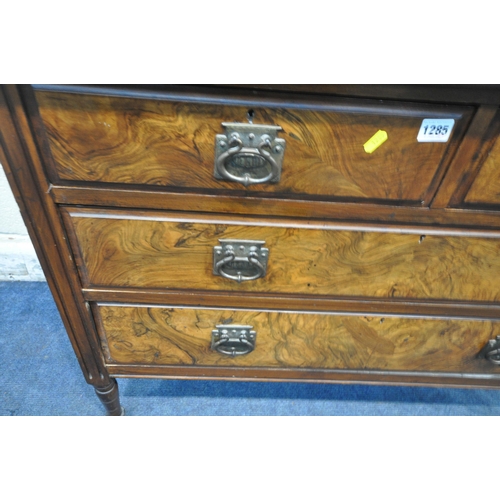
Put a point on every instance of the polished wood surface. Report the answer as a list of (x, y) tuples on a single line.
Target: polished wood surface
[(24, 169), (469, 94), (383, 268), (277, 206), (171, 144), (467, 162), (452, 93), (317, 303), (486, 187), (160, 251), (110, 398), (368, 377), (182, 336)]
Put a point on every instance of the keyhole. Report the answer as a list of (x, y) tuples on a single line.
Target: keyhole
[(251, 115)]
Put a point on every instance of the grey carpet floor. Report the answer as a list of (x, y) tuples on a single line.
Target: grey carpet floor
[(40, 376)]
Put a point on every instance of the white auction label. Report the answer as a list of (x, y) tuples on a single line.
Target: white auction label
[(433, 130)]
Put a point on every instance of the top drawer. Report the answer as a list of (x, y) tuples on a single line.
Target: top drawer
[(485, 189), (171, 142)]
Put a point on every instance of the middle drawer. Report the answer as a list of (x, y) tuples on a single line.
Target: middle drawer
[(186, 252)]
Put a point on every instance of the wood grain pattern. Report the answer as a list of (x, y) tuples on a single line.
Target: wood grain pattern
[(176, 252), (19, 158), (469, 158), (474, 94), (428, 304), (182, 336), (486, 187), (312, 303), (171, 144), (301, 375), (279, 207)]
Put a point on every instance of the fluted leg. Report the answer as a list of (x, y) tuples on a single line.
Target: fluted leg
[(110, 399)]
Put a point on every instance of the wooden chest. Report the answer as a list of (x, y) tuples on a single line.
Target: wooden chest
[(317, 233)]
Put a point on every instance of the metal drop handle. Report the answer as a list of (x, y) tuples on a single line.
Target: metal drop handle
[(238, 150), (231, 257), (491, 351), (240, 260), (233, 340), (249, 154)]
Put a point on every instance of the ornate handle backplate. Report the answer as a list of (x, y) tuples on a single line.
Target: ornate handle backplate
[(491, 351), (240, 260), (233, 340), (249, 154)]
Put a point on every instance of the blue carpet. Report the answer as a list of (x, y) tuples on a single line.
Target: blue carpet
[(41, 376)]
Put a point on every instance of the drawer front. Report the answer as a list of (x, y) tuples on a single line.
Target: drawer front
[(486, 188), (172, 144), (177, 252), (166, 336)]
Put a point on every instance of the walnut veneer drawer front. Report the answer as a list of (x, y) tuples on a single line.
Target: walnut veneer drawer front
[(173, 144), (486, 188), (176, 251), (158, 336)]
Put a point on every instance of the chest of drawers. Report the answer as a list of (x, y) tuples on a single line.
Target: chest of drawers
[(322, 233)]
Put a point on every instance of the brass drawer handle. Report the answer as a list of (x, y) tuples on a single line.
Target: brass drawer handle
[(249, 154), (240, 260), (233, 340), (491, 351)]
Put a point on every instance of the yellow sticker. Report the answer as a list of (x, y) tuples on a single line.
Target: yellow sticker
[(376, 141)]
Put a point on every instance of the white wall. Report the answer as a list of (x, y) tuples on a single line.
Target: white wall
[(18, 261), (11, 221)]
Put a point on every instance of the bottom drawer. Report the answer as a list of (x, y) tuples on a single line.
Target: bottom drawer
[(184, 336)]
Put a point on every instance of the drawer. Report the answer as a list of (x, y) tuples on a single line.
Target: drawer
[(172, 144), (486, 188), (175, 336), (176, 251)]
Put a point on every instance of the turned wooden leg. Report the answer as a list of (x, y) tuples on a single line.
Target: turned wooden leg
[(110, 399)]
